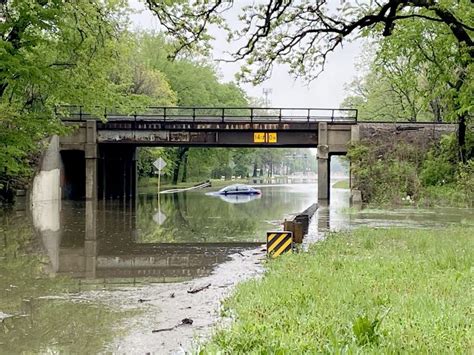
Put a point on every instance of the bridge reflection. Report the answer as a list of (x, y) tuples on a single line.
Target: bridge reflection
[(99, 240)]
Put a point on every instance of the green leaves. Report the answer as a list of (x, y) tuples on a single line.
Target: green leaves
[(52, 53)]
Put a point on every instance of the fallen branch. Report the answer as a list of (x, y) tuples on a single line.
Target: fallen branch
[(185, 321), (199, 289)]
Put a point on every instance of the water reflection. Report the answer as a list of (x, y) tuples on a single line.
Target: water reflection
[(239, 198), (184, 235), (175, 237)]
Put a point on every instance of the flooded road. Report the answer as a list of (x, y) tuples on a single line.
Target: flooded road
[(89, 277)]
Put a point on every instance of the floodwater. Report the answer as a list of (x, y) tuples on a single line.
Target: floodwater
[(101, 276)]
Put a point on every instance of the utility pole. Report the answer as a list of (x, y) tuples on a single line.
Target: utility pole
[(267, 92)]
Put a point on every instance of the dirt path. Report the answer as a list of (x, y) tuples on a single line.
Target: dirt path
[(165, 306)]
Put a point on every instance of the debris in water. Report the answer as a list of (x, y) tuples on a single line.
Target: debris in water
[(4, 316), (140, 300), (172, 295), (162, 330), (185, 321), (199, 289)]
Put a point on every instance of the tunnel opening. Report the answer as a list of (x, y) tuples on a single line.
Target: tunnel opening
[(74, 174), (117, 171)]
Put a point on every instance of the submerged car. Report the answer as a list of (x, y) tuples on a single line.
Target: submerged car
[(239, 189)]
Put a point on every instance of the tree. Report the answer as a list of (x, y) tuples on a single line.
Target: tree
[(51, 53), (393, 87), (302, 34), (195, 83)]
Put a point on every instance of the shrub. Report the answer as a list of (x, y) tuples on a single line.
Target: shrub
[(389, 172)]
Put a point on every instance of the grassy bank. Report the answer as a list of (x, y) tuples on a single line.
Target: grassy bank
[(367, 291), (343, 184)]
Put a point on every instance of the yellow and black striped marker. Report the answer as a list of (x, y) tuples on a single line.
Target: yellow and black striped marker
[(279, 242)]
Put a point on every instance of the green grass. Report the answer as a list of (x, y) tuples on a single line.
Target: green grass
[(367, 291), (343, 184)]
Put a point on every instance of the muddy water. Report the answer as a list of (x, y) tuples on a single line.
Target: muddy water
[(90, 277)]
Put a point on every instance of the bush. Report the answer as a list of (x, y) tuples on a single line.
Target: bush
[(439, 165), (394, 172), (385, 173)]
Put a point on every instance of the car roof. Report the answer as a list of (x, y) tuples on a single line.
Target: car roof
[(236, 186)]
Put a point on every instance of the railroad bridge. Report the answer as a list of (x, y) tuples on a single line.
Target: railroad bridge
[(98, 159)]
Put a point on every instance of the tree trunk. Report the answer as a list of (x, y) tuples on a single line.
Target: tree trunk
[(185, 167), (462, 138), (255, 167), (181, 153), (436, 109)]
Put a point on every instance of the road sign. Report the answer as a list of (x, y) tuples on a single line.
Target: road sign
[(159, 217), (262, 137), (259, 137), (159, 164), (272, 137), (279, 242)]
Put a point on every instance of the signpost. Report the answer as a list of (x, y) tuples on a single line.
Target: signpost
[(160, 165)]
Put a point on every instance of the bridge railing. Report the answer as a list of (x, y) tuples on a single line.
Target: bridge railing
[(211, 114)]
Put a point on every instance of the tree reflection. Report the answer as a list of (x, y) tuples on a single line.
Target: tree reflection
[(197, 217)]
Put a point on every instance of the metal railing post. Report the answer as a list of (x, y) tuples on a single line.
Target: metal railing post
[(223, 113), (164, 114), (105, 113), (194, 114), (309, 114), (80, 113), (251, 115), (279, 116), (332, 115)]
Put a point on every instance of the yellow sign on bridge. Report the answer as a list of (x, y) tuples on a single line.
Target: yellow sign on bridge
[(265, 137)]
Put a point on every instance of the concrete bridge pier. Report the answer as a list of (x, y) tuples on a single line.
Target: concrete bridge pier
[(90, 149), (323, 163)]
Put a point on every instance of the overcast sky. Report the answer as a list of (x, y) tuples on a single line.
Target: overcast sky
[(326, 91)]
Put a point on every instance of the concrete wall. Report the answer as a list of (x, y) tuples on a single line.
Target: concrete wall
[(45, 199), (47, 182)]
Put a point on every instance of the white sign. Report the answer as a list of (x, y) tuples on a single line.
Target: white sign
[(159, 164), (159, 218)]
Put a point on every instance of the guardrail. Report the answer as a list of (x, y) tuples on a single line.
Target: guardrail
[(210, 114), (299, 224)]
